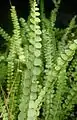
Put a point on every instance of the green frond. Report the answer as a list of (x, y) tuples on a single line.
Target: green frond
[(56, 3), (65, 38), (5, 114), (24, 31), (33, 48), (35, 40), (4, 34), (17, 36), (38, 70), (58, 67)]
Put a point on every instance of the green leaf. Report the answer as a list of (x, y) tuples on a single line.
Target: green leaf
[(37, 13), (37, 27), (21, 116), (22, 58), (32, 41), (36, 9), (31, 104), (57, 68), (22, 106), (69, 97), (38, 38), (36, 71), (2, 58), (37, 62), (64, 56), (32, 15), (60, 61), (37, 20), (33, 96), (34, 87), (25, 99), (38, 32), (75, 41), (27, 85), (31, 34), (73, 46), (37, 53), (31, 48), (29, 64), (31, 113), (32, 27), (54, 73), (32, 21), (68, 52), (73, 93), (26, 74), (37, 45)]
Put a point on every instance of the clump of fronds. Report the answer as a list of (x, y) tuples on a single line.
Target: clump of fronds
[(38, 71)]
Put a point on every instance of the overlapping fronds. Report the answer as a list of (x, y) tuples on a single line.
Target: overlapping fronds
[(38, 71)]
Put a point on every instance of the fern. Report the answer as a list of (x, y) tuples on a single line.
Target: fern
[(38, 70), (4, 34), (67, 56), (34, 48), (13, 81)]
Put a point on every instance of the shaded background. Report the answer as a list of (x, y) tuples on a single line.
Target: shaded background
[(21, 8), (68, 9)]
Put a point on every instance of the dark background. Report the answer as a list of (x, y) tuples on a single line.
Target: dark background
[(68, 8)]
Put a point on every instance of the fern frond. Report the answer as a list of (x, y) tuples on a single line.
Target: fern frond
[(17, 36), (56, 3), (65, 40), (5, 114), (35, 40), (61, 63), (34, 65), (61, 90), (24, 30), (49, 49), (70, 101), (15, 58), (4, 34), (26, 83)]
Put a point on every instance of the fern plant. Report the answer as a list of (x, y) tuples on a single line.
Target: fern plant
[(38, 70)]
